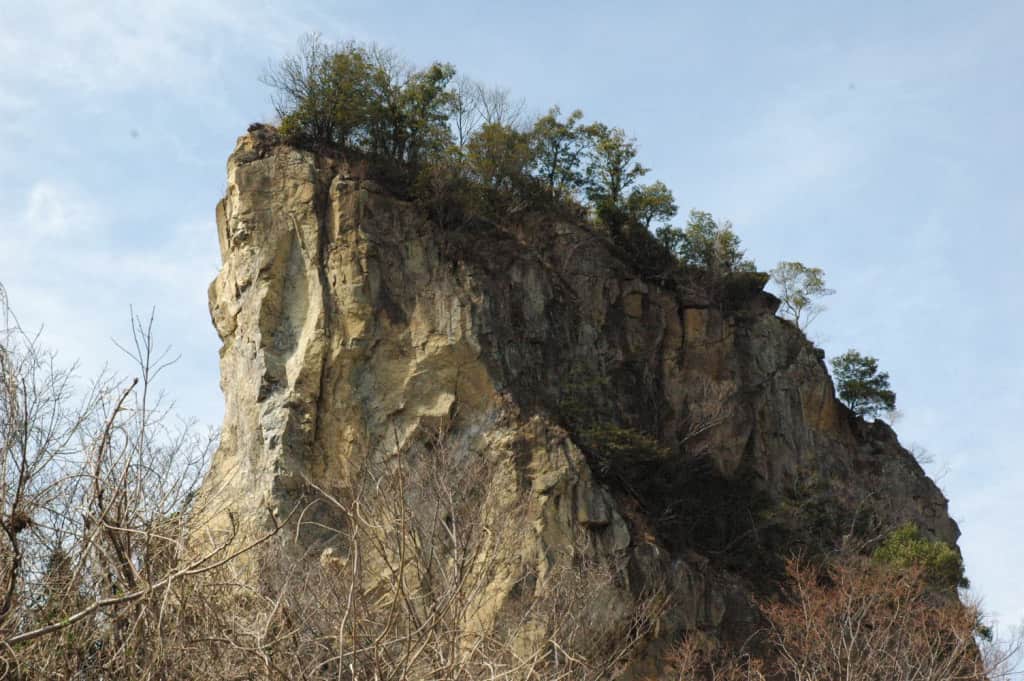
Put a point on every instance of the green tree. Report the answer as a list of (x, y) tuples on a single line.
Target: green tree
[(322, 94), (498, 158), (409, 108), (364, 98), (709, 245), (861, 386), (613, 169), (670, 238), (650, 202), (799, 289), (559, 148)]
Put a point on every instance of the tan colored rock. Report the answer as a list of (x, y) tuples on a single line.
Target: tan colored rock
[(353, 328)]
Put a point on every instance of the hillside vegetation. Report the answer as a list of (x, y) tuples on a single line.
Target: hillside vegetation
[(489, 416)]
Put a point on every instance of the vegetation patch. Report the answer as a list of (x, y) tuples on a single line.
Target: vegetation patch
[(940, 563), (467, 154)]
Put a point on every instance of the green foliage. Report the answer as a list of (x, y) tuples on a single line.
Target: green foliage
[(940, 564), (447, 192), (410, 121), (624, 449), (799, 287), (670, 238), (461, 149), (498, 156), (861, 386), (558, 151), (712, 246), (706, 245), (651, 202), (362, 98), (323, 94), (613, 169), (645, 252)]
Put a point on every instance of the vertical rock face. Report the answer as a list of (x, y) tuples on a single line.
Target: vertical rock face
[(677, 442)]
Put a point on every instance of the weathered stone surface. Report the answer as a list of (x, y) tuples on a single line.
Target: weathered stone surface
[(352, 326)]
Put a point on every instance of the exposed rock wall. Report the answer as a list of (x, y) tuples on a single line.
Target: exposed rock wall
[(353, 328)]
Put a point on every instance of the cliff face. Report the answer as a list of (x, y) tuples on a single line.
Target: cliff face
[(670, 440)]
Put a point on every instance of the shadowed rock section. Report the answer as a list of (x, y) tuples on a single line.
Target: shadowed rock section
[(680, 443)]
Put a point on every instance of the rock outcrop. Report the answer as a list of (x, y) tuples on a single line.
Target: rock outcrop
[(677, 442)]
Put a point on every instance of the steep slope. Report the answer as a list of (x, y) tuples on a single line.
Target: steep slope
[(684, 446)]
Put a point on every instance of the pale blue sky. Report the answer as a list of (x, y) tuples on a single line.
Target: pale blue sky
[(877, 140)]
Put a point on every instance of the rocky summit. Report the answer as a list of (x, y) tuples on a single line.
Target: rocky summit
[(663, 450)]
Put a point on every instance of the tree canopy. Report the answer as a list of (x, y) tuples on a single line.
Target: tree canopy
[(705, 244), (651, 202), (800, 287), (558, 149), (861, 386), (465, 151), (613, 169), (364, 98)]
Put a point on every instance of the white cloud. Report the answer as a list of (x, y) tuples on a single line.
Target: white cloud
[(118, 45), (55, 210), (65, 275)]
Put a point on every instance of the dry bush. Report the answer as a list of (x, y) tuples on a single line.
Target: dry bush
[(99, 579), (699, 658), (96, 490), (857, 620), (404, 589)]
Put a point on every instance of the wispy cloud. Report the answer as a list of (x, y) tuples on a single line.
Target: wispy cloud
[(53, 210), (63, 271), (119, 45)]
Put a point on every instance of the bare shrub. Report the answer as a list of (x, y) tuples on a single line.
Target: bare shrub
[(860, 621), (419, 578), (96, 490), (406, 589)]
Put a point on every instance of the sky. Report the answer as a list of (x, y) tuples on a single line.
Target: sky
[(880, 141)]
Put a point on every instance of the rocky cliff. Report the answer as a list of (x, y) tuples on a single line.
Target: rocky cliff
[(586, 417)]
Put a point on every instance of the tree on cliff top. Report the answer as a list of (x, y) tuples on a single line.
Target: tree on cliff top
[(612, 170), (323, 94), (364, 98), (651, 203), (559, 148), (706, 244), (799, 288), (861, 386), (464, 152)]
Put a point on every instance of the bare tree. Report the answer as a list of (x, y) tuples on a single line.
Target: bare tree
[(95, 496), (800, 287), (102, 580), (404, 590), (860, 621), (476, 105)]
